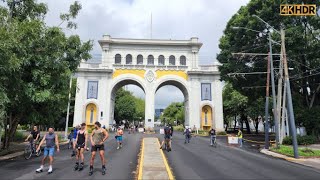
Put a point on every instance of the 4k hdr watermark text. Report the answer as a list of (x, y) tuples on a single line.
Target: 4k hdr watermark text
[(298, 9)]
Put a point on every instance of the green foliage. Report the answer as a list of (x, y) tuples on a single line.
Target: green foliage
[(36, 64), (178, 128), (304, 152), (310, 119), (302, 140), (222, 133), (19, 136), (175, 111), (302, 50), (128, 107), (233, 101)]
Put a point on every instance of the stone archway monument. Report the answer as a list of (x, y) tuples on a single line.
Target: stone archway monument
[(150, 64)]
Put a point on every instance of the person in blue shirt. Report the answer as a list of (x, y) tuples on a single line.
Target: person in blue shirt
[(74, 139)]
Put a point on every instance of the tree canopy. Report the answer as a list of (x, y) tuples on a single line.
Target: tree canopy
[(128, 107), (36, 64), (302, 44), (174, 112)]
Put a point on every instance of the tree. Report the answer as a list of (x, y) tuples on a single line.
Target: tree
[(174, 112), (36, 64), (234, 104), (302, 42), (128, 107)]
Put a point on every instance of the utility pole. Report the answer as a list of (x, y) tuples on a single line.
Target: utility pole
[(274, 99), (289, 97), (67, 118), (279, 101), (266, 122)]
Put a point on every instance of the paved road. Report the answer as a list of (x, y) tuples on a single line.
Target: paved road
[(198, 160), (121, 164)]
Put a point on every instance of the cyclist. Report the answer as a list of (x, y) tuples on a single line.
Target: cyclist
[(51, 141), (212, 134), (167, 138), (81, 145), (98, 137), (34, 137)]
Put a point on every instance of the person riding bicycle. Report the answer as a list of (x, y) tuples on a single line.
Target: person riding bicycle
[(34, 137), (212, 134), (167, 137)]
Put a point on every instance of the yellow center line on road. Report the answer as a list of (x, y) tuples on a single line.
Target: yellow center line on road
[(170, 174), (141, 161)]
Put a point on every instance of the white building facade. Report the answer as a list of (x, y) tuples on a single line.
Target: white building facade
[(149, 64)]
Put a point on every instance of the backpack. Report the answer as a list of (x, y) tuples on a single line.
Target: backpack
[(187, 132), (167, 131)]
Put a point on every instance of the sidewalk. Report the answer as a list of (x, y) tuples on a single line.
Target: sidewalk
[(311, 162), (153, 164)]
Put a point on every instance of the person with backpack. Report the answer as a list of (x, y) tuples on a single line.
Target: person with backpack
[(187, 134), (212, 134), (167, 138)]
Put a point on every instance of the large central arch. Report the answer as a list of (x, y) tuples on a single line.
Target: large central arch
[(181, 84), (119, 82)]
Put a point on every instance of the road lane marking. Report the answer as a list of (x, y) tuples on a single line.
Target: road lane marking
[(166, 163), (141, 161)]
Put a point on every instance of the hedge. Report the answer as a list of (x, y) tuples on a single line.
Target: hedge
[(302, 140)]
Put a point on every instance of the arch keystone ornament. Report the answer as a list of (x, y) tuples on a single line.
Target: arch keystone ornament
[(132, 61), (150, 76)]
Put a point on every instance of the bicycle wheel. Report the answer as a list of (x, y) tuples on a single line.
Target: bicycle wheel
[(27, 152)]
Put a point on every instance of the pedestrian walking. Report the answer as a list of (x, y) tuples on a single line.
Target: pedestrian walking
[(187, 134), (98, 137), (119, 137), (51, 140), (212, 134), (240, 137), (81, 145), (74, 138)]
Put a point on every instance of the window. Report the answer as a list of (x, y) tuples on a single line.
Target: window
[(205, 116), (183, 61), (129, 59), (161, 60), (172, 60), (139, 59), (150, 60), (117, 59)]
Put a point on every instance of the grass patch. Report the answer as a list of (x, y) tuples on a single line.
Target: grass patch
[(304, 152)]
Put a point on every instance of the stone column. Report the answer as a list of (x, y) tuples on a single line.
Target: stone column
[(194, 101), (149, 107), (79, 108), (218, 106)]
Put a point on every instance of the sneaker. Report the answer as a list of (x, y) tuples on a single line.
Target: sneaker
[(118, 147), (39, 170), (81, 167), (104, 170), (76, 166), (160, 147), (50, 170), (91, 171)]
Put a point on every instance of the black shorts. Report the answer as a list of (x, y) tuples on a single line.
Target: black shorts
[(79, 146), (97, 148)]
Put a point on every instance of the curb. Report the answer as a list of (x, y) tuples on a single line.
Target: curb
[(280, 156), (20, 153)]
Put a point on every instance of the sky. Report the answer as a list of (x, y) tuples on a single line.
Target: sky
[(171, 19)]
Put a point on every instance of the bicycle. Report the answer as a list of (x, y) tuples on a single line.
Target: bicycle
[(30, 149), (214, 141)]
